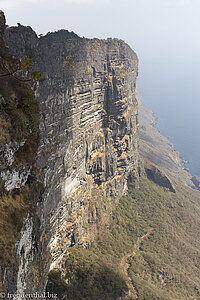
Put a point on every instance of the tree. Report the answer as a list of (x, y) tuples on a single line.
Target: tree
[(16, 72)]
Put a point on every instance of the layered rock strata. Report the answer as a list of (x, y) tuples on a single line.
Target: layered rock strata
[(88, 142)]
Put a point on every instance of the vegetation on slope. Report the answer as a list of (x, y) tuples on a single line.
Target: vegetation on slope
[(19, 121), (166, 264)]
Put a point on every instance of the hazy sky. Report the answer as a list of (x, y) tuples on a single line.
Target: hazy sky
[(165, 35), (161, 30)]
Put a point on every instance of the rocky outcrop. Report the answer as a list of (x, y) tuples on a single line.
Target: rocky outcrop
[(19, 188), (88, 142), (196, 181), (158, 176)]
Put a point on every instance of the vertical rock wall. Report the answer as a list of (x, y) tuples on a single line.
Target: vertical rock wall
[(88, 142)]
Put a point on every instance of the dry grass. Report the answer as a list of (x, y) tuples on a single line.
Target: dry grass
[(18, 122), (13, 209), (167, 262)]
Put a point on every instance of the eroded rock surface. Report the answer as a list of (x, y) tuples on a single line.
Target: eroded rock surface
[(88, 141), (18, 147)]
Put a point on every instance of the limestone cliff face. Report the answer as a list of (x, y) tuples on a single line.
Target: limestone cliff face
[(88, 142)]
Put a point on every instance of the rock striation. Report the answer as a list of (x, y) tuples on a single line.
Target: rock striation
[(88, 147)]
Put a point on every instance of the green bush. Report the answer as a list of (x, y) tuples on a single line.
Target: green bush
[(29, 107), (56, 284)]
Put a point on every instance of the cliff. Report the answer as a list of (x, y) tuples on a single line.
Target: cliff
[(88, 147), (19, 138), (73, 220)]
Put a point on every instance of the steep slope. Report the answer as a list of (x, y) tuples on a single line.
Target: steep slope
[(76, 216), (151, 249), (19, 188), (88, 147), (157, 149)]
